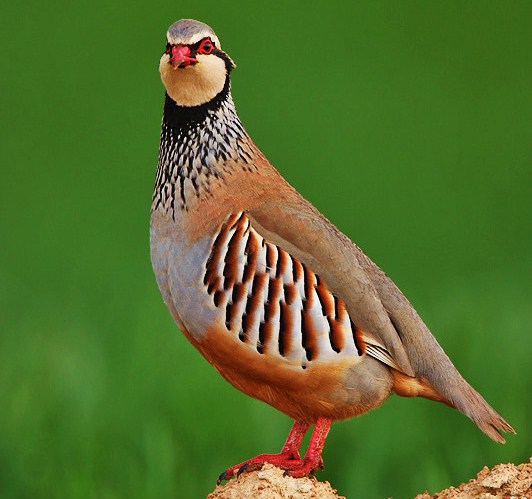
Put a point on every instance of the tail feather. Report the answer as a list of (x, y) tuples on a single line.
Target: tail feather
[(468, 401), (438, 373), (436, 376)]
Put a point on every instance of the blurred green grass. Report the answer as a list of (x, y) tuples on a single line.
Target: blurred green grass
[(408, 124)]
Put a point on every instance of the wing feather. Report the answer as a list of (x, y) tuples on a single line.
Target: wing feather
[(294, 225)]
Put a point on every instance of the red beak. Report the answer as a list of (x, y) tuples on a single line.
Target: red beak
[(181, 57)]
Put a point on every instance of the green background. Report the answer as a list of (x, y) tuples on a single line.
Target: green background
[(409, 124)]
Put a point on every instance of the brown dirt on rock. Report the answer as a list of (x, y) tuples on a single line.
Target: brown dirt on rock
[(504, 481), (270, 483)]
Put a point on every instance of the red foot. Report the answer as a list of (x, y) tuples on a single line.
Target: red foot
[(289, 459), (283, 461)]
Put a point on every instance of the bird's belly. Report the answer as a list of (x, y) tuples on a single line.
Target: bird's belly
[(336, 388)]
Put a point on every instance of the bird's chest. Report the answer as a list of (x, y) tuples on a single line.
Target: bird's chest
[(179, 268)]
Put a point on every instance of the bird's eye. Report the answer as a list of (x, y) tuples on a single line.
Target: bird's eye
[(168, 48), (205, 46)]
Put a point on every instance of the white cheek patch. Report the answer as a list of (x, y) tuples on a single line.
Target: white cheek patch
[(195, 84)]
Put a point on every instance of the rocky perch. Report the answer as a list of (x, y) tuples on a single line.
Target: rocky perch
[(270, 483), (504, 481)]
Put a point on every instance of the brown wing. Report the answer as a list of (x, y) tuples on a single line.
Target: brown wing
[(294, 224)]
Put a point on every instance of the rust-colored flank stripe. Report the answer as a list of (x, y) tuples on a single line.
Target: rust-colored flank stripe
[(282, 315), (272, 302), (326, 299), (212, 262), (254, 300), (266, 340), (270, 258), (336, 336), (238, 294), (216, 251), (306, 334), (252, 249), (298, 266), (308, 284), (231, 258), (260, 344), (290, 293), (282, 262), (357, 337)]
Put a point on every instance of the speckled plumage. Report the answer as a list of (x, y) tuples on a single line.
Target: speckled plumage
[(280, 302), (196, 146)]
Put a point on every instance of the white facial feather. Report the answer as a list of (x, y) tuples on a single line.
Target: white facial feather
[(195, 84)]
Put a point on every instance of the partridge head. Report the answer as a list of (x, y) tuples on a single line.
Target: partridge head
[(279, 301), (193, 46)]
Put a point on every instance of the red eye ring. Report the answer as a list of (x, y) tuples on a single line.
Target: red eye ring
[(205, 47)]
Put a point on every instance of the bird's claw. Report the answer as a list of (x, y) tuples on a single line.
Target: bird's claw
[(221, 478), (224, 475), (242, 468)]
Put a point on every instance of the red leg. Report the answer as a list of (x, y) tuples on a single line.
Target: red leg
[(313, 460), (289, 452), (295, 437), (289, 458)]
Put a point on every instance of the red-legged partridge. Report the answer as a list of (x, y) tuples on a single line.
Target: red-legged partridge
[(278, 300)]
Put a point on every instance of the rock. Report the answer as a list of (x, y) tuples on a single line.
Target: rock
[(504, 481), (270, 483)]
